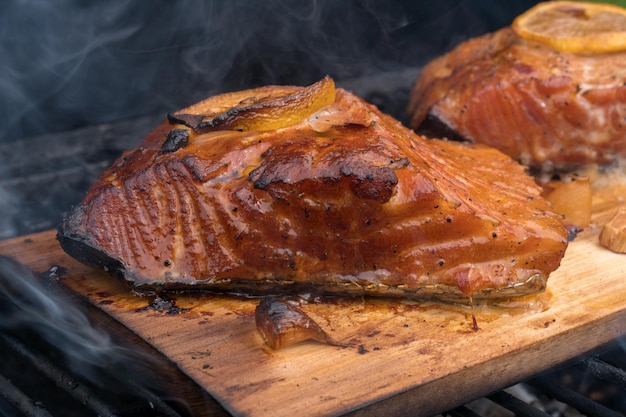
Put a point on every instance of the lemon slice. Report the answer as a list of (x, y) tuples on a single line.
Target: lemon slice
[(271, 112), (257, 109), (578, 27)]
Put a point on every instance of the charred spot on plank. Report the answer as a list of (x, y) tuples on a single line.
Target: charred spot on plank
[(164, 305), (55, 272), (176, 139)]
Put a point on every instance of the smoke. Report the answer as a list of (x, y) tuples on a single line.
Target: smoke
[(27, 305), (72, 63), (9, 206), (69, 364)]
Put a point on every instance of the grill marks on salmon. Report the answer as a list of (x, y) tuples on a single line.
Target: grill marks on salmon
[(344, 201), (548, 109)]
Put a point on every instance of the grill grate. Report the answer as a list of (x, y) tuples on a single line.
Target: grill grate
[(35, 386), (516, 405), (570, 397), (100, 369), (606, 372), (591, 386)]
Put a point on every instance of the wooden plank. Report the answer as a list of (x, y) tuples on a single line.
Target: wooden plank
[(404, 358)]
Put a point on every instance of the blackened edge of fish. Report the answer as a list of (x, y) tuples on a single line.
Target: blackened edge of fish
[(78, 247), (189, 120)]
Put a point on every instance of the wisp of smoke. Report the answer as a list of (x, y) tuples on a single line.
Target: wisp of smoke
[(27, 304), (71, 63)]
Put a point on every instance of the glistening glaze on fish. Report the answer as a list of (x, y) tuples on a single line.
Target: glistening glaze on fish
[(343, 201)]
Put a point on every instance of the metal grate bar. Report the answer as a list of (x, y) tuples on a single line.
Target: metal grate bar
[(19, 400), (517, 406), (157, 403), (572, 398), (79, 392), (606, 372)]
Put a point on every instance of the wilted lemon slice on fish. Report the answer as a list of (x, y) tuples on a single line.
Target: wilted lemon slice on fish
[(578, 27), (264, 108)]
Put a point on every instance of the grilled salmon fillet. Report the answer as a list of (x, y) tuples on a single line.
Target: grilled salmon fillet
[(340, 199), (552, 110)]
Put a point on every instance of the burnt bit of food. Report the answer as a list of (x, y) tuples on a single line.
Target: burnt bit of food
[(176, 139), (54, 273), (189, 120), (164, 305), (289, 163), (282, 322)]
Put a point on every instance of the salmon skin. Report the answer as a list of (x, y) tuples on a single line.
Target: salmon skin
[(551, 110), (341, 200)]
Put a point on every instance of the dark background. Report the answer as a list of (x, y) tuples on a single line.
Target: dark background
[(81, 81), (71, 63)]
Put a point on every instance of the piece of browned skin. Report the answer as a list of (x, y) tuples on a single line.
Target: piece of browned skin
[(281, 322), (344, 201), (548, 109)]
